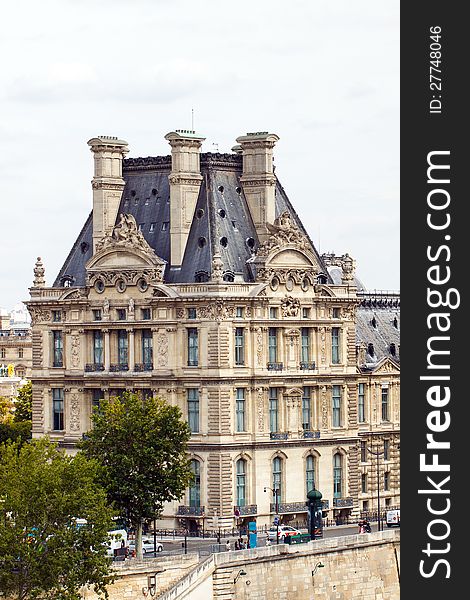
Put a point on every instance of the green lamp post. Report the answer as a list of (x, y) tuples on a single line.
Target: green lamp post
[(315, 520)]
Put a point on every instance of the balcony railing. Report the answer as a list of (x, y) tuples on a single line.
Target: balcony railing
[(249, 509), (307, 366), (279, 436), (93, 367), (275, 366), (190, 511), (141, 367), (289, 507), (311, 434), (118, 367), (342, 502)]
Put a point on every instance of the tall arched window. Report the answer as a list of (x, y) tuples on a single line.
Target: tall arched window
[(337, 475), (195, 489), (241, 482), (310, 473), (277, 478)]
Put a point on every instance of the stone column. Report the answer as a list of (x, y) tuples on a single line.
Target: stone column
[(131, 342)]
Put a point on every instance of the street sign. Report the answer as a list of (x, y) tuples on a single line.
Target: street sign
[(276, 520)]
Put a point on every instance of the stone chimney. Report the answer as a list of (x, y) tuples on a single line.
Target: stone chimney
[(107, 183), (185, 181), (258, 180)]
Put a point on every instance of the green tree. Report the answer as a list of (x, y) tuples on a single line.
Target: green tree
[(6, 405), (23, 403), (19, 432), (43, 553), (142, 445)]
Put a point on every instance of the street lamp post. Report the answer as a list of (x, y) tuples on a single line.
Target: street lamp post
[(377, 454), (275, 492)]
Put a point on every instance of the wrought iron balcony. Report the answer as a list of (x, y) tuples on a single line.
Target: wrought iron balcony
[(249, 509), (190, 511), (311, 434), (289, 507), (279, 436), (343, 502), (307, 366), (118, 367), (141, 367), (93, 367), (325, 504), (275, 366)]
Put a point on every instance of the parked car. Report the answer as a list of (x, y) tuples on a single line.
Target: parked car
[(392, 518), (284, 531), (147, 546)]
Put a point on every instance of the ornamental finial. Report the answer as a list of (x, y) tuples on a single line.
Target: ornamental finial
[(39, 271)]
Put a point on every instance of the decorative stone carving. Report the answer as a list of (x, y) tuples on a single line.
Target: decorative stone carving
[(216, 311), (106, 310), (75, 351), (349, 312), (345, 262), (75, 412), (124, 232), (217, 268), (39, 315), (260, 408), (131, 308), (293, 336), (39, 271), (162, 350), (283, 232), (180, 313), (322, 332), (324, 406), (259, 346), (290, 306)]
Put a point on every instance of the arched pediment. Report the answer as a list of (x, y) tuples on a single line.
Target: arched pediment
[(123, 257), (387, 365), (291, 257)]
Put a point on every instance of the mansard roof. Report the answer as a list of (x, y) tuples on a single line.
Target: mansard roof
[(378, 328), (221, 222)]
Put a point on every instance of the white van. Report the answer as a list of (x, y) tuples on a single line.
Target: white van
[(393, 518)]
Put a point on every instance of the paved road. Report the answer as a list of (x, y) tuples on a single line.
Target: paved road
[(173, 546)]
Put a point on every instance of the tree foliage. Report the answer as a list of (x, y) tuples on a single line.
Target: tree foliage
[(19, 432), (43, 553), (23, 403), (142, 445)]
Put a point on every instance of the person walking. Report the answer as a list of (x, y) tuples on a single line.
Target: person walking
[(227, 545)]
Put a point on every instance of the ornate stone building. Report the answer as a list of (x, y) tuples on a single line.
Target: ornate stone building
[(193, 278)]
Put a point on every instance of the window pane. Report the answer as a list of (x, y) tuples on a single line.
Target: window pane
[(335, 345), (310, 473), (122, 347), (336, 406), (361, 415), (57, 409), (195, 489), (193, 410), (240, 409), (97, 347), (58, 348), (193, 347), (306, 408), (241, 482), (305, 349), (273, 410), (337, 476), (277, 478), (272, 344), (147, 348), (239, 346)]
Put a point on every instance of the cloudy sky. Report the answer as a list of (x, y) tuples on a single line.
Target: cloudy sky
[(322, 75)]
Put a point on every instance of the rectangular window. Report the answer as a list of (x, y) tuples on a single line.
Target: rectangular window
[(56, 316), (386, 481), (20, 352), (364, 483), (141, 226), (97, 315), (165, 225), (240, 409), (239, 346), (386, 449), (305, 313), (57, 409), (363, 452), (193, 410), (97, 347), (240, 312), (122, 347), (361, 406), (336, 313), (58, 349), (147, 349), (146, 314), (152, 227), (272, 344), (335, 345), (121, 314), (306, 408), (305, 344), (273, 312), (193, 347), (385, 404), (96, 397), (3, 353), (191, 313), (273, 410), (336, 406)]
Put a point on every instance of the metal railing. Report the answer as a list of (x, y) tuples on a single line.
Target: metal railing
[(275, 366)]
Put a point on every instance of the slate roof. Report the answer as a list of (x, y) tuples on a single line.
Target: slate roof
[(222, 221), (378, 323)]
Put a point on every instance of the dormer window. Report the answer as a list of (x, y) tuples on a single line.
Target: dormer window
[(201, 276), (374, 322), (393, 350), (370, 349), (229, 276), (322, 278)]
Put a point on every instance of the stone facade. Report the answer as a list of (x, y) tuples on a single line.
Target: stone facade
[(261, 351)]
